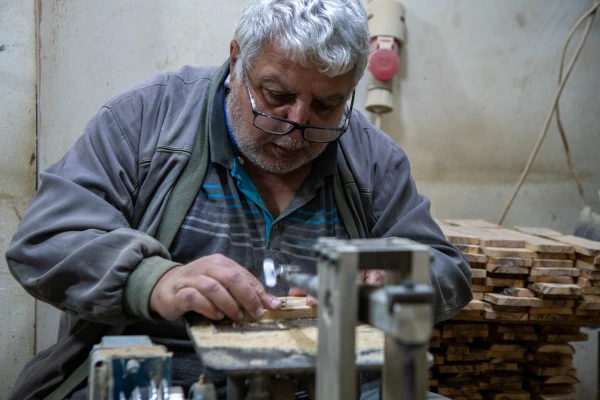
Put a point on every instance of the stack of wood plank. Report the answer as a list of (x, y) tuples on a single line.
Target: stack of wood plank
[(499, 361), (528, 274)]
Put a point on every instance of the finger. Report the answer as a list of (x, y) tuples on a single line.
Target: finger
[(296, 292), (218, 295), (311, 301), (375, 277), (361, 276), (243, 287), (189, 299)]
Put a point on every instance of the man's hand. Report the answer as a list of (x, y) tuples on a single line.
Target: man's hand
[(213, 286), (310, 301), (373, 277)]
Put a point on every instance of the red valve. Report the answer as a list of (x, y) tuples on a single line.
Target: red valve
[(383, 64)]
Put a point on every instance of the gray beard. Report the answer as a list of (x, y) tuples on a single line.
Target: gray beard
[(254, 150)]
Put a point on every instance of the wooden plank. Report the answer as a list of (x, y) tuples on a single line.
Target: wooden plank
[(515, 336), (502, 252), (478, 273), (535, 231), (564, 338), (554, 256), (587, 266), (518, 292), (556, 318), (544, 263), (512, 262), (501, 282), (560, 348), (462, 368), (594, 290), (478, 295), (513, 328), (544, 271), (506, 269), (474, 305), (504, 300), (582, 246), (591, 275), (589, 259), (468, 248), (555, 289), (475, 258), (456, 238), (505, 316), (472, 223), (552, 279), (551, 310), (482, 288), (545, 370)]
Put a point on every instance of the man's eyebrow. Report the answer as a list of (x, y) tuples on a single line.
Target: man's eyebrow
[(273, 79)]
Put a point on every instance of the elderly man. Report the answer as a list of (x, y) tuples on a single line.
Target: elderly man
[(180, 187)]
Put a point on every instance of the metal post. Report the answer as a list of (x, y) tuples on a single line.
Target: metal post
[(338, 315)]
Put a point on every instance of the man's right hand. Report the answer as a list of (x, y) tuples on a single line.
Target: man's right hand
[(213, 286)]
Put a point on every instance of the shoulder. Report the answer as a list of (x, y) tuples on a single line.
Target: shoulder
[(178, 83)]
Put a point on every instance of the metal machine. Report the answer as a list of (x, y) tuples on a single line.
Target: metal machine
[(402, 309), (125, 368)]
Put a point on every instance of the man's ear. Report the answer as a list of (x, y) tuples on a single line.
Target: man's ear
[(234, 52)]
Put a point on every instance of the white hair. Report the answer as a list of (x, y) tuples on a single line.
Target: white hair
[(331, 35)]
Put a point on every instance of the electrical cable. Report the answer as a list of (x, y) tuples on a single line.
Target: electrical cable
[(559, 90)]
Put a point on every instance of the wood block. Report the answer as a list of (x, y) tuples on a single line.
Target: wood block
[(562, 329), (505, 316), (584, 282), (518, 292), (478, 273), (544, 370), (555, 289), (500, 252), (475, 305), (551, 279), (594, 290), (506, 309), (582, 246), (506, 269), (510, 395), (587, 266), (549, 317), (470, 223), (476, 258), (551, 310), (455, 237), (512, 262), (560, 380), (462, 368), (554, 256), (513, 328), (591, 275), (560, 348), (589, 302), (450, 331), (535, 231), (468, 248), (501, 365), (589, 259), (500, 282), (564, 338), (503, 300), (512, 336), (292, 308), (475, 355), (482, 288), (543, 263), (544, 271), (478, 281), (478, 295)]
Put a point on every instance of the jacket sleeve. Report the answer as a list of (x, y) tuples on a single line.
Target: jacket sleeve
[(399, 211), (74, 248)]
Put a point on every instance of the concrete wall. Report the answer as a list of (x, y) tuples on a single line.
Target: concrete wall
[(477, 78), (17, 177)]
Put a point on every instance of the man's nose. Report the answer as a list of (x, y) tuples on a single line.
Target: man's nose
[(299, 112)]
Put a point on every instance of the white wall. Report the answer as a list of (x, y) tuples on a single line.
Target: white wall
[(17, 177), (477, 78)]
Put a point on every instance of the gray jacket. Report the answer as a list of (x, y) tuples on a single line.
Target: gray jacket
[(95, 238)]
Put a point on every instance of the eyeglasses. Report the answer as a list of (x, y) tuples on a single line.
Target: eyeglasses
[(281, 126)]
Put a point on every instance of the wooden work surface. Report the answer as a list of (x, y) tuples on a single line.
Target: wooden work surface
[(270, 346)]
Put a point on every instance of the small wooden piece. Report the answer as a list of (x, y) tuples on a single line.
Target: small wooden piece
[(543, 271), (544, 263), (475, 258), (560, 348), (554, 256), (511, 262), (478, 273), (565, 280), (589, 259), (501, 252), (582, 246), (555, 289), (292, 308), (518, 292), (500, 282), (587, 266), (506, 269)]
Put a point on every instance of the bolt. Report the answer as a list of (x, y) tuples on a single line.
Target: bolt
[(132, 367)]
